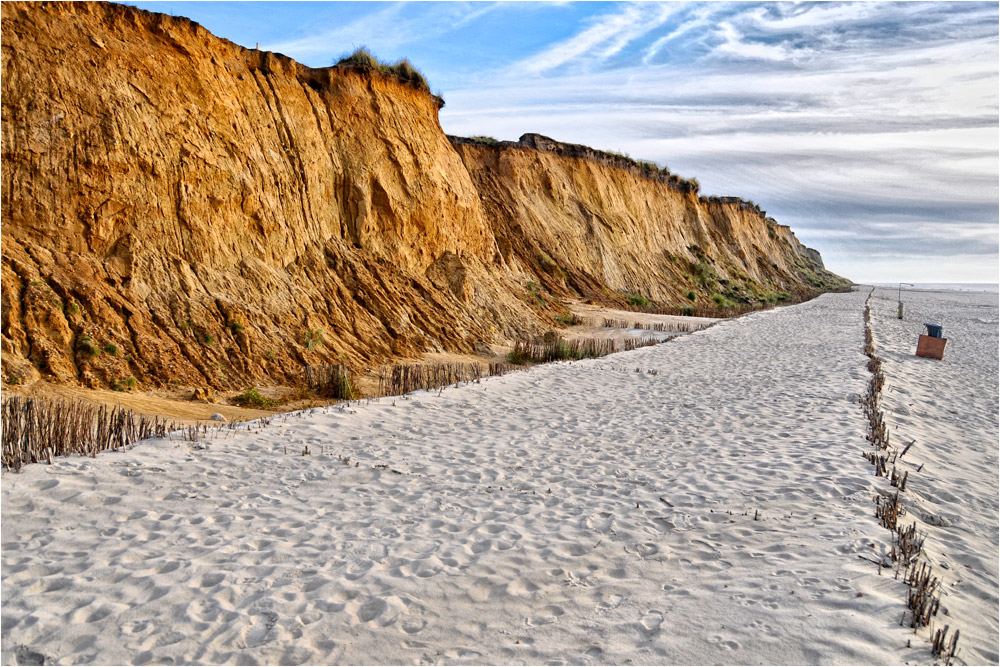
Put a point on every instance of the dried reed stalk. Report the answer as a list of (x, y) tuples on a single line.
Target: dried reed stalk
[(888, 510), (923, 598), (942, 647)]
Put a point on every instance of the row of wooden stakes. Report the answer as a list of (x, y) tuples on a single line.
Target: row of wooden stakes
[(36, 429), (923, 596)]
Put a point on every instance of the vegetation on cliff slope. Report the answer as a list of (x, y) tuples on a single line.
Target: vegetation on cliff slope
[(401, 70)]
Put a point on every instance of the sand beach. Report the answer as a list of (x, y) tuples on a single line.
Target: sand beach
[(702, 501)]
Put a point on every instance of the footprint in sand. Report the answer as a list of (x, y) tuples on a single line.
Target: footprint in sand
[(371, 609), (546, 615), (259, 632), (600, 522), (412, 626), (652, 621), (727, 644), (644, 550), (213, 579), (136, 627), (358, 569), (481, 546), (609, 602)]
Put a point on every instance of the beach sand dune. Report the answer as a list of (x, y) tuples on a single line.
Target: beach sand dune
[(703, 501)]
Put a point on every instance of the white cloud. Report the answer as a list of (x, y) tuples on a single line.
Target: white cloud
[(736, 46), (811, 17), (701, 19), (605, 38)]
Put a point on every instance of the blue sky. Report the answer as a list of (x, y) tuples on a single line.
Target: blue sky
[(870, 128)]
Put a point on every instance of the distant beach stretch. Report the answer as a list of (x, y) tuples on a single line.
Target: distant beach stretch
[(702, 501)]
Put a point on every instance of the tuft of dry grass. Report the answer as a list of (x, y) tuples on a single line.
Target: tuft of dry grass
[(402, 70), (666, 327), (251, 398)]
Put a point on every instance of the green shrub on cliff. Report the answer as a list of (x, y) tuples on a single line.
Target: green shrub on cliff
[(637, 300), (722, 302), (703, 274), (85, 344), (128, 384), (251, 398), (312, 339), (568, 319)]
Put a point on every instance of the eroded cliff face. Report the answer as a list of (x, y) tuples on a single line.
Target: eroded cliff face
[(588, 222), (204, 210), (179, 209)]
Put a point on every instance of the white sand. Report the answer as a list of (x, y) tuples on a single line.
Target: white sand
[(525, 524), (950, 408)]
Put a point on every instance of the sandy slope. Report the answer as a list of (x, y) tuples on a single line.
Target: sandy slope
[(575, 513)]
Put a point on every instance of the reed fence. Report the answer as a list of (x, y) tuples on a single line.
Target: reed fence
[(331, 381), (37, 429), (400, 379), (667, 327)]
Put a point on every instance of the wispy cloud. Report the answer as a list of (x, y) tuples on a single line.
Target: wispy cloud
[(699, 18), (387, 30), (810, 17), (602, 40)]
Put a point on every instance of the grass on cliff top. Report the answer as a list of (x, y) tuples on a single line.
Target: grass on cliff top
[(402, 70), (651, 169)]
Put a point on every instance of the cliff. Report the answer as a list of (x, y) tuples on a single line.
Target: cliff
[(180, 210), (591, 222)]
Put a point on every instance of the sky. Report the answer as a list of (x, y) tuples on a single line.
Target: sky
[(870, 128)]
